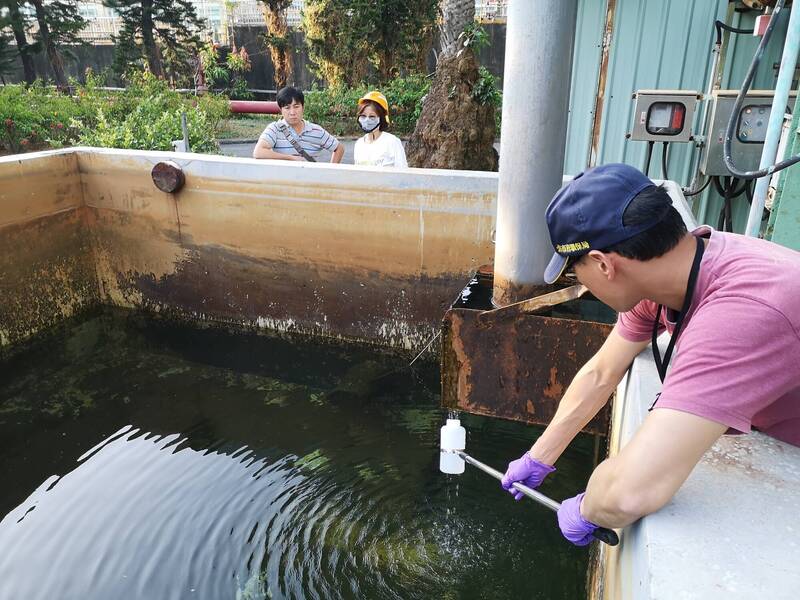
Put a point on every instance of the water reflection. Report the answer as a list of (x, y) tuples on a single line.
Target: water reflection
[(238, 467)]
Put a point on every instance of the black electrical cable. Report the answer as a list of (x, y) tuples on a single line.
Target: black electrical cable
[(734, 193), (728, 203), (720, 25), (727, 188), (698, 191), (649, 156), (664, 175), (737, 107)]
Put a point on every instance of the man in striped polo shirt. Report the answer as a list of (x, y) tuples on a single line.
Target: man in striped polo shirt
[(292, 138)]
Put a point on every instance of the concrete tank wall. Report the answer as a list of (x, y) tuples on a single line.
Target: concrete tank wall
[(339, 251), (46, 268)]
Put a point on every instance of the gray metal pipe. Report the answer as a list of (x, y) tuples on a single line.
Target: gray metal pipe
[(537, 74), (775, 123)]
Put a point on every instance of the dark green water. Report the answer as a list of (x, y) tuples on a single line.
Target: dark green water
[(145, 460)]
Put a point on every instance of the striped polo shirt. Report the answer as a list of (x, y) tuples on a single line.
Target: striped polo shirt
[(313, 139)]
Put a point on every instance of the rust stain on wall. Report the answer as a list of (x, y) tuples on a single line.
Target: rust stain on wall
[(507, 292), (343, 260), (371, 262), (395, 231), (555, 386), (515, 368), (46, 274), (46, 270)]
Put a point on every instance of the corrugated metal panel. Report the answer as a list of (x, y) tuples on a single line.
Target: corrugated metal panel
[(655, 45), (589, 26)]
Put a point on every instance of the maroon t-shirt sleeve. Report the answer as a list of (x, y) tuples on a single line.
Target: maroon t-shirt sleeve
[(735, 357), (636, 325)]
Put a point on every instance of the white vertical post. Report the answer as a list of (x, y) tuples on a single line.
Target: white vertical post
[(536, 85), (775, 123)]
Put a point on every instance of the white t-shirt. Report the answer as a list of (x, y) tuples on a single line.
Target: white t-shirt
[(386, 151)]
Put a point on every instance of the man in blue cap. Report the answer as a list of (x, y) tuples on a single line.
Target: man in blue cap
[(728, 302)]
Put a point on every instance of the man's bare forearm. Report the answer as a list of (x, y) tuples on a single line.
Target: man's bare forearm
[(586, 395), (261, 151), (584, 398)]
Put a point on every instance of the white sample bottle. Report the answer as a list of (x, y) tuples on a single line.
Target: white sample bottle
[(453, 437)]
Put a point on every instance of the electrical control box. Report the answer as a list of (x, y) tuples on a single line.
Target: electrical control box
[(748, 136), (663, 115)]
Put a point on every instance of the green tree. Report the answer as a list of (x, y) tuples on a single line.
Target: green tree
[(59, 23), (8, 57), (153, 29), (16, 22), (277, 39), (345, 37), (400, 34)]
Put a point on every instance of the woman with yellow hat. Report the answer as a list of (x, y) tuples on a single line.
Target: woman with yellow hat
[(377, 147)]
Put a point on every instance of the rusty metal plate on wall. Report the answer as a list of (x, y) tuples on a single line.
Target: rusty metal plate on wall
[(516, 368)]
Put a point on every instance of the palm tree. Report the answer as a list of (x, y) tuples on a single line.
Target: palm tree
[(456, 128)]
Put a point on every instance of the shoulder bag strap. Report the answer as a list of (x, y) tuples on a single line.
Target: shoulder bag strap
[(289, 135)]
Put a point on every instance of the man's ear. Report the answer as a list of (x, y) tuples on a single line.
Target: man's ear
[(603, 262)]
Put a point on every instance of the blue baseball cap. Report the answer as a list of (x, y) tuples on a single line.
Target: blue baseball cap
[(586, 214)]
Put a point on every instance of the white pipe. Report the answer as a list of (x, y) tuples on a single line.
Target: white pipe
[(775, 123), (537, 73)]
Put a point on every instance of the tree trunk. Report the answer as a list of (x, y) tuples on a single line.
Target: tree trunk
[(455, 130), (52, 52), (150, 48), (279, 49), (455, 16), (386, 66), (23, 47)]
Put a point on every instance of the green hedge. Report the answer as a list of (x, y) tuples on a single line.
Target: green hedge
[(37, 117), (146, 116)]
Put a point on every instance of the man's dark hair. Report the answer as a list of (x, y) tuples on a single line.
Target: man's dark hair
[(661, 237), (288, 95), (384, 125)]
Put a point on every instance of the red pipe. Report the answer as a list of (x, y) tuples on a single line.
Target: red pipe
[(255, 106)]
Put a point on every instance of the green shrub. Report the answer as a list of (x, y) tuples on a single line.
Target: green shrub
[(335, 108), (405, 96), (38, 117), (145, 116)]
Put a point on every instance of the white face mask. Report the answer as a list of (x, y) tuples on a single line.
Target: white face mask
[(368, 124)]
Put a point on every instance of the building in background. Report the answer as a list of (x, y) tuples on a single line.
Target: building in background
[(491, 11)]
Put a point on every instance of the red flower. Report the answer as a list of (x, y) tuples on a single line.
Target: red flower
[(9, 123), (24, 142), (59, 126)]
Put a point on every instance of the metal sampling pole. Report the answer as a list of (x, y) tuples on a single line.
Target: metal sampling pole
[(607, 536)]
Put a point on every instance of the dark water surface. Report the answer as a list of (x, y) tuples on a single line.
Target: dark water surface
[(145, 460)]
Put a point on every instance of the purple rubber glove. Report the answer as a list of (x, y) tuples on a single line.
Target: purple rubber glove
[(574, 527), (527, 471)]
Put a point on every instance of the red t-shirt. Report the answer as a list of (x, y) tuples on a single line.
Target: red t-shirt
[(737, 360)]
